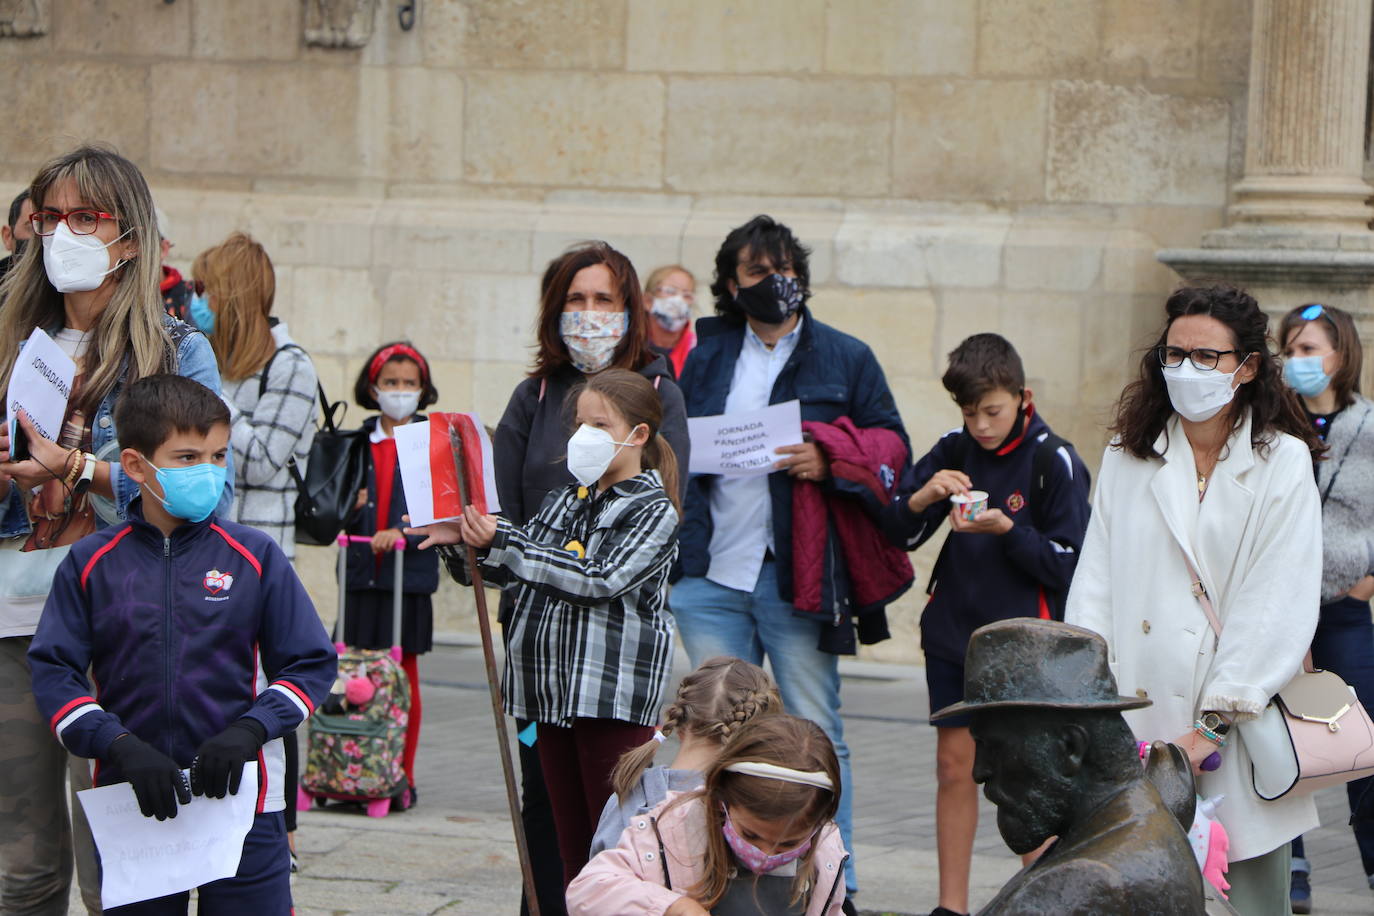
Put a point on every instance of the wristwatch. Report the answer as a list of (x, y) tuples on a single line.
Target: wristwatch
[(83, 481), (1215, 722)]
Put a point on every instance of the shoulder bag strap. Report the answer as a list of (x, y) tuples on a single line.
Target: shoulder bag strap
[(1200, 593)]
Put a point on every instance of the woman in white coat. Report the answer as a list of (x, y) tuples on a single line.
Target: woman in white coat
[(1212, 461)]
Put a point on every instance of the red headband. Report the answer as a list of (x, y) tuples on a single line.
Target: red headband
[(395, 350)]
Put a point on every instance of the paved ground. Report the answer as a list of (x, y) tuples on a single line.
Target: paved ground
[(454, 854)]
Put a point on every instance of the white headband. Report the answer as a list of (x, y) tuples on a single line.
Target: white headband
[(816, 778)]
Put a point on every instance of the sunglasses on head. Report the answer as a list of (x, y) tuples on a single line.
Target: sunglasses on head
[(1313, 312)]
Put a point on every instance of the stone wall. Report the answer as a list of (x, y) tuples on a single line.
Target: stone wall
[(957, 166)]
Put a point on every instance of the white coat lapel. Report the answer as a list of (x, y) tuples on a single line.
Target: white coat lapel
[(1225, 516), (1174, 486)]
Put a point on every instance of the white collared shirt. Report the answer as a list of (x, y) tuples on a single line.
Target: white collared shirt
[(741, 510)]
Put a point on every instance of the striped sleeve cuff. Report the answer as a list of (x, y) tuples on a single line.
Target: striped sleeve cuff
[(64, 717), (296, 695)]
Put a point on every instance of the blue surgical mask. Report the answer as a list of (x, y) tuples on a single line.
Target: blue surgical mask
[(1304, 374), (192, 492), (200, 314)]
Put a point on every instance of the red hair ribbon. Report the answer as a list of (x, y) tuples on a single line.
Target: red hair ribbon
[(394, 350)]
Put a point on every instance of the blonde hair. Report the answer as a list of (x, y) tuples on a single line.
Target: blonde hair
[(239, 279), (712, 702), (661, 273), (129, 332), (781, 740)]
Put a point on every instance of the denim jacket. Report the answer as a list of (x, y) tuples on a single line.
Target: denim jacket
[(195, 359)]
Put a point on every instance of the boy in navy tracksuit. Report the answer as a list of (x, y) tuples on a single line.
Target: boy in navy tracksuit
[(1015, 559), (203, 645)]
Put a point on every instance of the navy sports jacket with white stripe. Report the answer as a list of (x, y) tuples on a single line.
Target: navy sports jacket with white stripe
[(182, 636)]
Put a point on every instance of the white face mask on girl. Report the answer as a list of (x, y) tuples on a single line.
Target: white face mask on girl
[(590, 453), (1199, 394), (398, 405), (77, 263)]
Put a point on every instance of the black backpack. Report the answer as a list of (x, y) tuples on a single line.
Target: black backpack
[(334, 472)]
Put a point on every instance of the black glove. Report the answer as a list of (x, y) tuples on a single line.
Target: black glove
[(157, 780), (218, 767)]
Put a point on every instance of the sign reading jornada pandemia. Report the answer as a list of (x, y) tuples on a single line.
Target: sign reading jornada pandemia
[(40, 385), (737, 444)]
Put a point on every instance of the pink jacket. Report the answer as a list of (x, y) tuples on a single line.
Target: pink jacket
[(628, 879)]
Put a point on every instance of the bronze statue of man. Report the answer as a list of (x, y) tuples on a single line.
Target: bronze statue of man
[(1058, 760)]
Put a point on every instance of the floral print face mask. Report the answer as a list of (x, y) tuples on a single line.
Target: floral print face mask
[(591, 337)]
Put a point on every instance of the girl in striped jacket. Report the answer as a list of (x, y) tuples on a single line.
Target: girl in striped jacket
[(589, 643)]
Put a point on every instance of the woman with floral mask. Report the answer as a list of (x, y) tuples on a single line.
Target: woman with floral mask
[(90, 281), (669, 295), (1210, 476), (1322, 357), (591, 317), (396, 380), (759, 838)]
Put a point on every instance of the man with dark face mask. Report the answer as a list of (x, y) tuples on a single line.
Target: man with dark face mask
[(1058, 760), (17, 231), (761, 577)]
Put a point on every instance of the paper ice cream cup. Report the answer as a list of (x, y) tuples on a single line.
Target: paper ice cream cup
[(968, 505)]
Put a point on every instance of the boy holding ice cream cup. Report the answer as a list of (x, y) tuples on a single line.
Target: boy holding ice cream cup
[(1016, 496)]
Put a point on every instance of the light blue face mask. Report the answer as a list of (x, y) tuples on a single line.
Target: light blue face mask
[(1304, 374), (191, 492), (200, 314)]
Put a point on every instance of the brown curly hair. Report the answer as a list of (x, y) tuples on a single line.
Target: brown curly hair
[(1144, 410)]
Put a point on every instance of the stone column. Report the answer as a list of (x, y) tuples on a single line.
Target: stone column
[(1299, 224), (1304, 140)]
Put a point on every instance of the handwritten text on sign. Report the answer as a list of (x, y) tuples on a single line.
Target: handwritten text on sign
[(738, 444), (40, 385)]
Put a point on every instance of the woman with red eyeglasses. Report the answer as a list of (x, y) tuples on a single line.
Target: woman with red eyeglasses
[(92, 284)]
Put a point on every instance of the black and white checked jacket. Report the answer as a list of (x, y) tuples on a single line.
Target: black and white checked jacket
[(589, 636), (265, 432)]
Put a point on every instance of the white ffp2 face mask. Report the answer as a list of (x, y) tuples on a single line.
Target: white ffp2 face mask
[(590, 453), (1199, 394), (398, 405), (77, 263)]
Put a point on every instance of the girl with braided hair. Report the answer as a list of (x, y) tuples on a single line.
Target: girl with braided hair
[(711, 704)]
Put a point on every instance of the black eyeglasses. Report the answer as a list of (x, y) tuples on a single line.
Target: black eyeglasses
[(1201, 358)]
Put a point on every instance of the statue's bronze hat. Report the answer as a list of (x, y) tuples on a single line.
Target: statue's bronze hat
[(1043, 663)]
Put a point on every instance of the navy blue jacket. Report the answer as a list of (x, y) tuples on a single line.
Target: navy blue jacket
[(980, 578), (833, 375), (420, 568), (182, 636)]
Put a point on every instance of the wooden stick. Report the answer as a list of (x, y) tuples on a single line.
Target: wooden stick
[(498, 711)]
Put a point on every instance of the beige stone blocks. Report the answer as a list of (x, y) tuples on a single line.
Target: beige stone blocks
[(1157, 39), (1129, 145), (462, 316), (726, 36), (246, 29), (776, 135), (50, 109), (901, 37), (414, 125), (121, 28), (269, 119), (483, 237), (564, 129), (331, 310), (1053, 258), (894, 323), (1038, 37), (920, 247), (516, 34), (970, 140)]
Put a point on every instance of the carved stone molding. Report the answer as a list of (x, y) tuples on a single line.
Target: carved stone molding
[(338, 23), (23, 18)]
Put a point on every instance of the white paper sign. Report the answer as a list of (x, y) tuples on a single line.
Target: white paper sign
[(739, 444), (40, 385), (142, 858), (412, 457)]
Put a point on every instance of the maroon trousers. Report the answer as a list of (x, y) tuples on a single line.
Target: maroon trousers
[(577, 765)]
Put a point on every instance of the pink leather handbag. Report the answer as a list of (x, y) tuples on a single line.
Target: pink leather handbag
[(1314, 733)]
